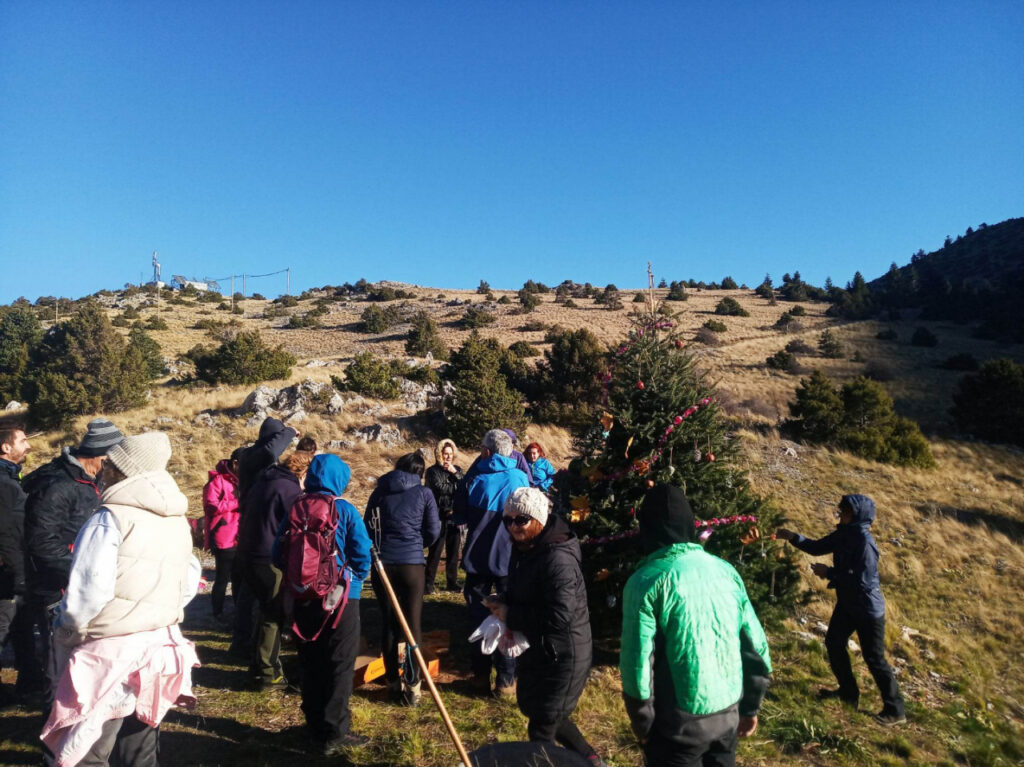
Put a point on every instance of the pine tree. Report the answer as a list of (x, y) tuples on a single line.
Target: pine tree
[(663, 424)]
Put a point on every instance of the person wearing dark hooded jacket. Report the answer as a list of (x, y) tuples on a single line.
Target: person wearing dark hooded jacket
[(694, 660), (328, 661), (273, 438), (546, 600), (859, 607), (401, 516), (264, 509)]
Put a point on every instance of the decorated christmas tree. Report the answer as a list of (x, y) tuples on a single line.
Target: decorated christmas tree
[(661, 423)]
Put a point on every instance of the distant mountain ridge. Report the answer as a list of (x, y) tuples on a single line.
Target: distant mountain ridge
[(992, 254)]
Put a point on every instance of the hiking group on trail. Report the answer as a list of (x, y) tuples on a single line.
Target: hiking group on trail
[(96, 568)]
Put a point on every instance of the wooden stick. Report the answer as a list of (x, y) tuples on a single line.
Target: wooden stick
[(424, 669)]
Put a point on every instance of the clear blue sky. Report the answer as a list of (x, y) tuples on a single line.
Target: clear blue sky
[(446, 142)]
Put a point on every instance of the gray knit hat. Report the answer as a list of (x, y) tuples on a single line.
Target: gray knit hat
[(529, 501), (141, 453), (100, 436)]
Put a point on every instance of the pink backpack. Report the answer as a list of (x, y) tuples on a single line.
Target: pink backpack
[(309, 553)]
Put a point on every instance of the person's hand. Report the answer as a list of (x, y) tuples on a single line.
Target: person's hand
[(498, 608), (449, 468), (747, 726), (784, 534), (820, 569)]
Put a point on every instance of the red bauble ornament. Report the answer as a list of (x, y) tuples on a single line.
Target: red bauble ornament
[(640, 385), (711, 457), (679, 344)]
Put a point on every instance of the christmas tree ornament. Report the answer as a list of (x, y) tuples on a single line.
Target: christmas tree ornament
[(611, 601), (602, 574), (679, 344), (640, 385)]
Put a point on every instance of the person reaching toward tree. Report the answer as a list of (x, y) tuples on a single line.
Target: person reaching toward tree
[(859, 607)]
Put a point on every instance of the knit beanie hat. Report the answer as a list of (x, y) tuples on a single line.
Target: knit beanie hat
[(529, 501), (100, 436), (141, 453), (665, 518)]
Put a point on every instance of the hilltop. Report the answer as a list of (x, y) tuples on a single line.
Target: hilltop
[(951, 537)]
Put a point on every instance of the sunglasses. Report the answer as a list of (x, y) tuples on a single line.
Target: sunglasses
[(521, 521)]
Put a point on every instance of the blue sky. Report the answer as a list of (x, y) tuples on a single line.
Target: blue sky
[(444, 143)]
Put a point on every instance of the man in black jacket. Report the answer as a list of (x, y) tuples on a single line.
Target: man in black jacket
[(14, 446), (274, 437), (62, 494)]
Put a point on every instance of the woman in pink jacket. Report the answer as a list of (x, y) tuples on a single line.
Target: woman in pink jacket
[(220, 531)]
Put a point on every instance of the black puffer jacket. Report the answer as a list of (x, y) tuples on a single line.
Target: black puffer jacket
[(442, 484), (61, 496), (547, 601), (12, 532)]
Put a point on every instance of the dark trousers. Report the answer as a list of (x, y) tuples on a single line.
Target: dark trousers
[(265, 582), (33, 660), (450, 543), (477, 587), (563, 731), (871, 633), (327, 666), (125, 742), (701, 741), (225, 559), (245, 603), (407, 583)]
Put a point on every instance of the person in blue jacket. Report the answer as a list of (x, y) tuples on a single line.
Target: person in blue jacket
[(479, 502), (401, 516), (329, 660), (859, 607), (541, 470)]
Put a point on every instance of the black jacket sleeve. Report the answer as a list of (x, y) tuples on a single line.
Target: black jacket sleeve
[(12, 533), (47, 514)]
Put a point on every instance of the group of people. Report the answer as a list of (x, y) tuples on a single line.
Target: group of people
[(96, 558)]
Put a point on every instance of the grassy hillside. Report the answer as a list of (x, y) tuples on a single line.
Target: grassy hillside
[(951, 540)]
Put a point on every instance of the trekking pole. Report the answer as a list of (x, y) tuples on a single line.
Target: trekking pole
[(415, 648)]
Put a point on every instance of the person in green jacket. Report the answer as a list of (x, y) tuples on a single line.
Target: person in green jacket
[(694, 658)]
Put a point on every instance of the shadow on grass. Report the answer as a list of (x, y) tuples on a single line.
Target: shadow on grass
[(985, 518)]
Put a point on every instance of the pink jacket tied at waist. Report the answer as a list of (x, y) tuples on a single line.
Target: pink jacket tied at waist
[(220, 505), (143, 674)]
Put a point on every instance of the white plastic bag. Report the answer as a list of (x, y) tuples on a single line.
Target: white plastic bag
[(495, 635)]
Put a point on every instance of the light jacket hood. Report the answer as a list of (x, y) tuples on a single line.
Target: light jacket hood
[(863, 509), (153, 491), (398, 481), (328, 474)]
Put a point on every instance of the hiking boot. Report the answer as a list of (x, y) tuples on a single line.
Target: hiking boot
[(505, 692), (846, 698), (889, 718), (412, 694), (276, 683), (335, 746)]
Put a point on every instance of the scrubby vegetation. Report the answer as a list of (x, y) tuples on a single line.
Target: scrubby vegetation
[(730, 307), (241, 360), (859, 417), (990, 403)]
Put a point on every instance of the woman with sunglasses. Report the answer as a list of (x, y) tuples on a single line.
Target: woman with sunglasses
[(546, 600)]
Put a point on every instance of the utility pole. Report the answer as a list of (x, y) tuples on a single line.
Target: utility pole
[(232, 293), (288, 281), (243, 284)]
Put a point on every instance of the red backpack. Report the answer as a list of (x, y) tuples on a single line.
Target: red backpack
[(309, 553)]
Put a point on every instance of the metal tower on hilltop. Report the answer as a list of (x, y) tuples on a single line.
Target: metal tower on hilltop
[(156, 269)]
